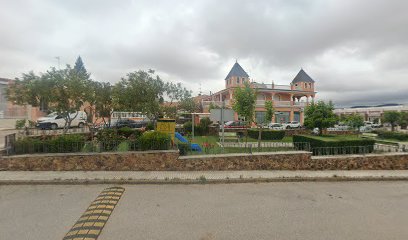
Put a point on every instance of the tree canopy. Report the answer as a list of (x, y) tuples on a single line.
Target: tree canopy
[(244, 102), (320, 115)]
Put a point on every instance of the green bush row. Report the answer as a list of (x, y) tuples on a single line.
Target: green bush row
[(331, 145), (202, 129), (111, 134), (59, 144), (392, 135), (77, 143), (267, 134)]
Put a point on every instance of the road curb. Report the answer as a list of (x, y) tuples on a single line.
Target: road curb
[(197, 181)]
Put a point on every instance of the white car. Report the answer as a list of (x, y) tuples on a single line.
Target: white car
[(55, 121), (289, 125), (275, 126)]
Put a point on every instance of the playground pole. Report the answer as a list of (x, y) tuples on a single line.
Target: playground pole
[(192, 127), (222, 122)]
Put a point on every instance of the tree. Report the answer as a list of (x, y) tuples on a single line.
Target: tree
[(176, 92), (267, 119), (392, 117), (101, 103), (62, 91), (269, 111), (355, 121), (320, 115), (69, 92), (244, 104), (79, 67), (403, 121), (140, 91), (212, 106), (188, 105)]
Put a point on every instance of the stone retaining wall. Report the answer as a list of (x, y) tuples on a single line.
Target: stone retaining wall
[(386, 161), (151, 161), (170, 160)]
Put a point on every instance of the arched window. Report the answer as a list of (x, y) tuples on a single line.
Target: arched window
[(260, 97)]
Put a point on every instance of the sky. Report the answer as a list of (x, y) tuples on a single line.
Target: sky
[(355, 50)]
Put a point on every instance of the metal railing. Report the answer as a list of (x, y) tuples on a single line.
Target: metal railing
[(252, 147), (41, 132), (43, 147), (344, 150)]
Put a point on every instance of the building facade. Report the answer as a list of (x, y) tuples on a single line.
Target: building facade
[(372, 114), (289, 101)]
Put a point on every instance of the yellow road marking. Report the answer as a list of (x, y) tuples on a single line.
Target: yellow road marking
[(91, 223)]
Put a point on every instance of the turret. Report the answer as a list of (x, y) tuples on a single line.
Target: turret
[(302, 82), (236, 77)]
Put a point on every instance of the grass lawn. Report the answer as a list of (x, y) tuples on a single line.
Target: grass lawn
[(215, 139), (333, 138)]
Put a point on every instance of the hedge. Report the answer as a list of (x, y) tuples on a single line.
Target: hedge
[(267, 134), (59, 144), (392, 135), (153, 140), (332, 144)]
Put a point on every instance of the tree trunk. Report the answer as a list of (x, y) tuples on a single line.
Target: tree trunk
[(259, 137)]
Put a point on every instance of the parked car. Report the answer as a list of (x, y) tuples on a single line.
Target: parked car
[(275, 126), (293, 124), (55, 121), (365, 129), (235, 124), (129, 123)]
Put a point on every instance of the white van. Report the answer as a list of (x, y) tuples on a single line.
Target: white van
[(54, 121)]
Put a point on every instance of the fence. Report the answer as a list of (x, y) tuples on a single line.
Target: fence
[(320, 151), (41, 132), (21, 147), (186, 149)]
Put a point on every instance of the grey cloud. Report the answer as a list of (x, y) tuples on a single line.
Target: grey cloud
[(355, 50)]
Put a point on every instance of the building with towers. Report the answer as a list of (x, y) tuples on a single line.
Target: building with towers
[(289, 101)]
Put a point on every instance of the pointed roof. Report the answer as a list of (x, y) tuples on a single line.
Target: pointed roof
[(302, 77), (237, 71)]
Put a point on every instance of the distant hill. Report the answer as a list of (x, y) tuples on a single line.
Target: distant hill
[(382, 105)]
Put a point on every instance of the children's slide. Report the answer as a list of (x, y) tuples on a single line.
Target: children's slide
[(194, 146)]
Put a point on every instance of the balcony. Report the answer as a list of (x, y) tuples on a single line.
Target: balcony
[(215, 103), (261, 103)]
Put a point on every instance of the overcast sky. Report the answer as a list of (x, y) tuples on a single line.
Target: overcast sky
[(355, 50)]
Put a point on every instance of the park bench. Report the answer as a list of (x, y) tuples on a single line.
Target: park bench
[(229, 136)]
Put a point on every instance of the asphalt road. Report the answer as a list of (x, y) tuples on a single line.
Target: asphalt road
[(308, 210)]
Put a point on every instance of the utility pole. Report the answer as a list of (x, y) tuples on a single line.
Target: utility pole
[(222, 122), (59, 59)]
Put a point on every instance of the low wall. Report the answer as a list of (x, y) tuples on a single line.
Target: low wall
[(170, 161), (152, 161), (125, 161), (386, 161)]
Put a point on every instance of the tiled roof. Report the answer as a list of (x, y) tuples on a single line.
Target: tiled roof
[(237, 71), (302, 77)]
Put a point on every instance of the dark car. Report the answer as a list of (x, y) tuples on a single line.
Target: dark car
[(235, 124), (129, 123)]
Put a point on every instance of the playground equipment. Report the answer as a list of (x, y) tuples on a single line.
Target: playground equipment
[(194, 146)]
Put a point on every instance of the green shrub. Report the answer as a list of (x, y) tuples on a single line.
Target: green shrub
[(183, 148), (392, 135), (65, 143), (267, 134), (59, 144), (31, 124), (20, 124), (28, 145), (128, 132), (149, 126), (154, 140), (332, 144), (123, 147), (188, 127)]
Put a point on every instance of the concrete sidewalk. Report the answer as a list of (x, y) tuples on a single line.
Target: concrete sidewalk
[(186, 177)]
